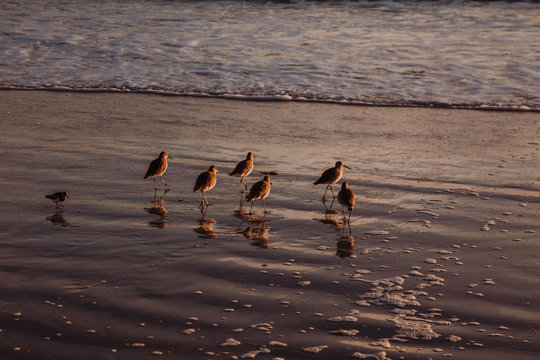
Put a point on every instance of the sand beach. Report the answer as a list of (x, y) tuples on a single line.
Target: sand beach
[(440, 259)]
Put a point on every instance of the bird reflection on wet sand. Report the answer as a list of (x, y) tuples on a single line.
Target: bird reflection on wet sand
[(240, 212), (257, 233), (328, 209), (205, 229), (58, 218), (328, 216), (345, 242), (158, 209), (345, 246)]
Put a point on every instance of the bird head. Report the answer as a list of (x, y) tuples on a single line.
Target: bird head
[(164, 155), (339, 165)]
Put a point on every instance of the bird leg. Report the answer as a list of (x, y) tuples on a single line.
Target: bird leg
[(201, 206), (251, 208), (324, 196), (242, 182), (264, 206), (343, 212), (334, 195), (203, 212), (155, 185), (163, 181)]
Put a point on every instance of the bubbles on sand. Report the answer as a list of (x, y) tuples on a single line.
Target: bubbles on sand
[(315, 349)]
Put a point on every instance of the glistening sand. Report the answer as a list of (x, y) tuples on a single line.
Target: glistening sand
[(446, 224)]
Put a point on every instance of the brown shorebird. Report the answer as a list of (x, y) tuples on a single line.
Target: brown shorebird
[(259, 190), (243, 169), (346, 199), (58, 198), (157, 168), (205, 182), (331, 176)]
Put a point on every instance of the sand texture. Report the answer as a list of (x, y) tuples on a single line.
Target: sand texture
[(440, 259)]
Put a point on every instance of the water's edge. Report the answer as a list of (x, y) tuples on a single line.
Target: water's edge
[(281, 97)]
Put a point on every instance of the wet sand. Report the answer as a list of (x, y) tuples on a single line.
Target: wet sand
[(440, 260)]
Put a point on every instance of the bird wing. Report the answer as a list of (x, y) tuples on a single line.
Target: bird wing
[(202, 180), (239, 169), (156, 167), (326, 176), (351, 199), (346, 198)]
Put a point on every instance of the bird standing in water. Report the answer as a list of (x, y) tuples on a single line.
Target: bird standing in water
[(243, 169), (346, 199), (205, 182), (58, 198), (331, 176), (158, 167), (259, 190)]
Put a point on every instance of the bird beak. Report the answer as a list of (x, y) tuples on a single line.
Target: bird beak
[(170, 157), (346, 166)]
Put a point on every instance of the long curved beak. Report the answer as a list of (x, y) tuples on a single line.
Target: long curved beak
[(347, 167), (170, 157)]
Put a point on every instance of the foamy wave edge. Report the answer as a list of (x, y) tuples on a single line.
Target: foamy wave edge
[(287, 97)]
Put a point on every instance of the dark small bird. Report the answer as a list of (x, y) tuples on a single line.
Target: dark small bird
[(346, 199), (243, 169), (158, 167), (58, 198), (259, 190), (205, 182), (331, 176)]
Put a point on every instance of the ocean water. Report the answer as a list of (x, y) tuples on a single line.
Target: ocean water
[(446, 53)]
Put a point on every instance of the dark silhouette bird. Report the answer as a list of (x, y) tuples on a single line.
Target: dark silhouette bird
[(58, 198), (346, 199), (243, 169), (205, 182), (259, 190), (331, 176), (158, 167)]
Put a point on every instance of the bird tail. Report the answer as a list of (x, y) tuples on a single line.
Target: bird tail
[(48, 196), (317, 182)]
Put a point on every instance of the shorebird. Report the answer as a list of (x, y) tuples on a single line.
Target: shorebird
[(205, 182), (259, 190), (331, 176), (243, 169), (58, 198), (346, 199), (158, 167)]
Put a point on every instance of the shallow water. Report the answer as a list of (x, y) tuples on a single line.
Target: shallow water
[(459, 53), (123, 265)]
